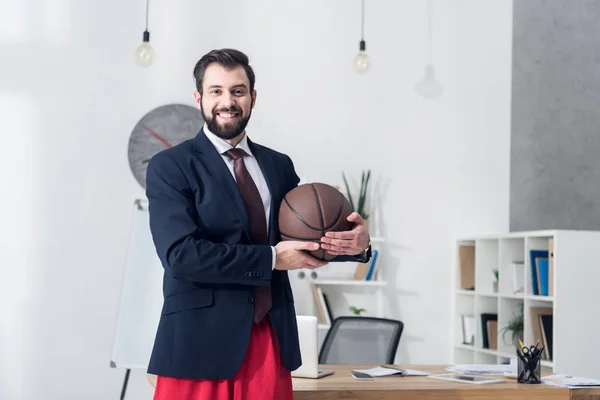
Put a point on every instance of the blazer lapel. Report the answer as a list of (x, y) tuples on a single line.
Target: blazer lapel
[(213, 162), (269, 170)]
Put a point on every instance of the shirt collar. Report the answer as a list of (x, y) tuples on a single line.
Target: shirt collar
[(222, 146)]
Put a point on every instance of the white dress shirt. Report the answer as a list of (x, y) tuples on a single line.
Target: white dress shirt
[(253, 169)]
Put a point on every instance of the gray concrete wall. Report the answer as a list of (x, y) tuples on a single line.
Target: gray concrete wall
[(555, 139)]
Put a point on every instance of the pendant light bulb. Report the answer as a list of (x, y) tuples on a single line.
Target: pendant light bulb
[(428, 87), (362, 61), (144, 54)]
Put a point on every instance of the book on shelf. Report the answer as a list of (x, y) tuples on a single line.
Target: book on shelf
[(489, 330), (323, 312), (541, 328), (468, 329), (551, 267), (541, 273), (368, 271), (546, 324), (518, 277)]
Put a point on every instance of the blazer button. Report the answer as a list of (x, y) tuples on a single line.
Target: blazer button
[(259, 274), (250, 299), (247, 274)]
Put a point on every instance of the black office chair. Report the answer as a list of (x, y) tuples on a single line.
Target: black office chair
[(361, 340)]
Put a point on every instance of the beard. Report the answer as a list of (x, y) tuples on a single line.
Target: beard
[(231, 130)]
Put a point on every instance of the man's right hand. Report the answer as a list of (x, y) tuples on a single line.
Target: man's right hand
[(290, 255)]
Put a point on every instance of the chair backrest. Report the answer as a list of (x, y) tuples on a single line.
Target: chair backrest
[(361, 340)]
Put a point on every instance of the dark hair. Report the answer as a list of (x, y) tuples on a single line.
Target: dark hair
[(228, 58)]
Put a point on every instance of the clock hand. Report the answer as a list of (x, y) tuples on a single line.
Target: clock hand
[(156, 135)]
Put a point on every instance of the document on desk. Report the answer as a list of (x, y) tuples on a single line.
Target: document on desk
[(480, 369), (568, 381), (388, 371)]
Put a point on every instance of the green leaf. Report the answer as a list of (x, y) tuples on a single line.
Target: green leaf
[(362, 194), (348, 191), (357, 311), (364, 184)]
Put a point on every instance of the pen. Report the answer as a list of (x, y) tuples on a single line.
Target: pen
[(541, 350)]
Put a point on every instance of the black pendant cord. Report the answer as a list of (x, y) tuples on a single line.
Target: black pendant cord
[(147, 8), (146, 32), (362, 21), (362, 26)]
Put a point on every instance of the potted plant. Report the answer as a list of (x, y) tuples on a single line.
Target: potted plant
[(515, 328), (496, 275), (357, 311), (360, 206)]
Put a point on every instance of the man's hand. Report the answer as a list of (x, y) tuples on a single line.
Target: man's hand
[(290, 255), (350, 242)]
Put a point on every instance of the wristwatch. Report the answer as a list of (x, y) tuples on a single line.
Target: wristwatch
[(368, 247), (366, 253)]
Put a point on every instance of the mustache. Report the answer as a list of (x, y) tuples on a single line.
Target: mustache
[(228, 109)]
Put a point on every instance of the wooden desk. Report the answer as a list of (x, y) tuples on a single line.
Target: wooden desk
[(341, 385)]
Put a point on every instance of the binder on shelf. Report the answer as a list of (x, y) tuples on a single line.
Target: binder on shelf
[(542, 271), (485, 328), (368, 271), (535, 255), (551, 267), (373, 267), (323, 313), (492, 332), (546, 327), (539, 331), (327, 307), (360, 273), (466, 262)]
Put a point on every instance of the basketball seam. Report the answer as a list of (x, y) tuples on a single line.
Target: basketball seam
[(339, 214), (337, 217), (299, 216), (320, 208)]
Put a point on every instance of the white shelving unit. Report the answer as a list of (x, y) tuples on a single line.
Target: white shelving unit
[(572, 297)]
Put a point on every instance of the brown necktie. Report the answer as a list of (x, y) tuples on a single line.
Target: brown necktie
[(258, 223)]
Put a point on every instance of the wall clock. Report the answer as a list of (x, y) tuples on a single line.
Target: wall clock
[(161, 128)]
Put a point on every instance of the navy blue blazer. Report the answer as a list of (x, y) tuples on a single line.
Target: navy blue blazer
[(201, 233)]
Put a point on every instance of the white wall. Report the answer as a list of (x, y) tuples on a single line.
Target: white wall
[(70, 95)]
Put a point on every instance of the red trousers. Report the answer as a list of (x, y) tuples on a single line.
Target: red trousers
[(261, 376)]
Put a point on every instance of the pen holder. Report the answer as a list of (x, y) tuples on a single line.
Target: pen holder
[(529, 369)]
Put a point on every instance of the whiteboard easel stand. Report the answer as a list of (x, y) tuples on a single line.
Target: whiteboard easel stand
[(141, 298), (124, 389)]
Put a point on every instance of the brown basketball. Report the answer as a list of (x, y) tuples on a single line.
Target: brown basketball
[(310, 210)]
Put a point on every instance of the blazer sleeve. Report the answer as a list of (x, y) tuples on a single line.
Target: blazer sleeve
[(180, 239), (362, 257)]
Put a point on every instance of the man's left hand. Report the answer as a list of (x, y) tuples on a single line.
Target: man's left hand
[(350, 242)]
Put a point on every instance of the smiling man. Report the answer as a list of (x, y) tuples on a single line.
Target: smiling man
[(228, 330)]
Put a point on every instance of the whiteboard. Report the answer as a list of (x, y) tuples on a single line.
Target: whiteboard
[(141, 296)]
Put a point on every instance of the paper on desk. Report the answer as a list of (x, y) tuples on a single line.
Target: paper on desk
[(384, 371), (568, 381), (480, 369)]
